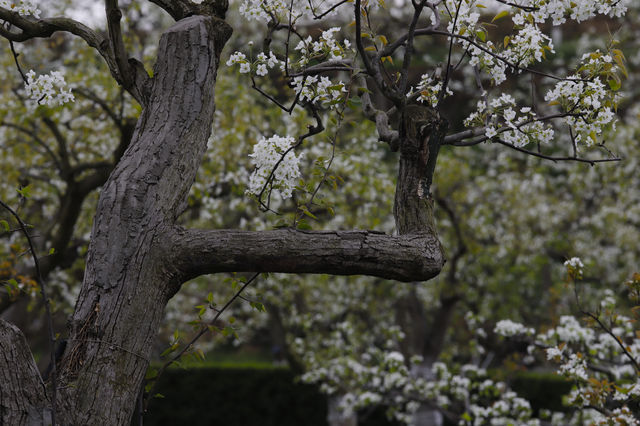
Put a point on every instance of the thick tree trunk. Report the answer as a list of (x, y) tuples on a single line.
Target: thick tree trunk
[(422, 134), (128, 278)]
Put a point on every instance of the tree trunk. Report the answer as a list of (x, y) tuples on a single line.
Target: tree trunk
[(128, 278), (422, 133)]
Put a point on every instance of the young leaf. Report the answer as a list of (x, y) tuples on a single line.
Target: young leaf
[(500, 15)]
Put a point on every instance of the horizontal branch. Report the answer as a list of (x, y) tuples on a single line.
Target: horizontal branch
[(328, 66), (555, 159), (411, 257), (180, 9), (132, 76)]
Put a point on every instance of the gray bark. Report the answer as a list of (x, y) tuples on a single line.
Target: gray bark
[(127, 281), (423, 131), (412, 257), (22, 394)]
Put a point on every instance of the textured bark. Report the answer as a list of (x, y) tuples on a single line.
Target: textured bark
[(127, 283), (413, 257), (423, 132), (22, 394)]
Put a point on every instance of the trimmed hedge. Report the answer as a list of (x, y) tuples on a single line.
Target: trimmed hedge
[(235, 397), (232, 396), (542, 390)]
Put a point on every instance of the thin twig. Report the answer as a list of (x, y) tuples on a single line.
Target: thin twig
[(15, 58), (47, 307), (204, 330)]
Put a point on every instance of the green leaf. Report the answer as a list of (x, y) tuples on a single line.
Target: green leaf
[(306, 211), (169, 350), (303, 225), (354, 103), (5, 225), (614, 84), (500, 15), (52, 251), (151, 374), (25, 191), (258, 306), (200, 354)]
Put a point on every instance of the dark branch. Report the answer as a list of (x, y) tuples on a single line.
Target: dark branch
[(410, 257)]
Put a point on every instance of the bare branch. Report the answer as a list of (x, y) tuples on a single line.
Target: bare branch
[(62, 147), (409, 257), (556, 159), (178, 9), (341, 65), (102, 104), (381, 118), (114, 15), (372, 68), (43, 28)]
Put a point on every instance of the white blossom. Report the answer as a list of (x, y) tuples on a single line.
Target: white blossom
[(23, 7), (508, 328), (267, 153), (50, 89)]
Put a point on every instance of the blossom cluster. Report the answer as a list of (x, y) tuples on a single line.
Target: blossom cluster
[(275, 157), (529, 44), (600, 360), (317, 89), (50, 89), (558, 10), (383, 376), (508, 328), (518, 127), (583, 102), (575, 263), (312, 88), (23, 7), (488, 401), (326, 47), (260, 66), (584, 98), (263, 10), (429, 90)]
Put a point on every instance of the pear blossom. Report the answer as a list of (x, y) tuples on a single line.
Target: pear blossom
[(274, 156), (50, 89)]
